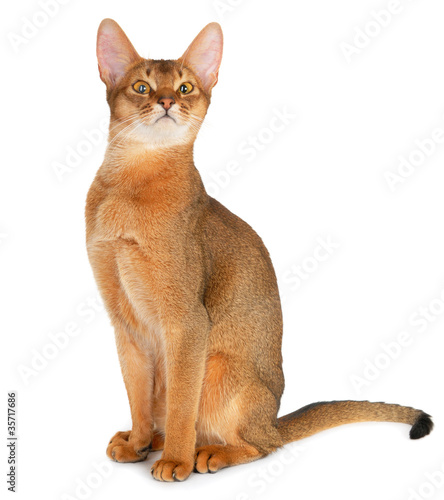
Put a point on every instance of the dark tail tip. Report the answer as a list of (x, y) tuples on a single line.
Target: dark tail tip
[(421, 427)]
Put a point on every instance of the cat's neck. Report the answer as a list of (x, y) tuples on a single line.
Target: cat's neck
[(135, 167), (135, 162)]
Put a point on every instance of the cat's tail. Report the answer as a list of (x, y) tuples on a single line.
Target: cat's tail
[(317, 417)]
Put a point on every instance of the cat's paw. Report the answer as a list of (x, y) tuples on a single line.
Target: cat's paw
[(171, 470), (210, 459), (123, 449)]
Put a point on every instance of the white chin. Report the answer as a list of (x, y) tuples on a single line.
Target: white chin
[(165, 132)]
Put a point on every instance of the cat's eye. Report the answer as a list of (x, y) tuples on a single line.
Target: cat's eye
[(141, 87), (186, 88)]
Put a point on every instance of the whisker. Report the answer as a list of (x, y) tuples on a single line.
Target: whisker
[(122, 121), (196, 118), (119, 144), (122, 131), (131, 132), (194, 121)]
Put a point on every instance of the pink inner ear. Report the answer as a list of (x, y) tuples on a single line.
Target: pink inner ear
[(114, 52), (204, 55)]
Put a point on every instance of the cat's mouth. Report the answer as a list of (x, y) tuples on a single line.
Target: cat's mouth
[(166, 116)]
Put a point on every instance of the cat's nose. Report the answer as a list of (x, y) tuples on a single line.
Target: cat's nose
[(166, 102)]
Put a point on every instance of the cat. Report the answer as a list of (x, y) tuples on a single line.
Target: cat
[(189, 287)]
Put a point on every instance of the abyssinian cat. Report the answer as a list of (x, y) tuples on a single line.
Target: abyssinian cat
[(190, 287)]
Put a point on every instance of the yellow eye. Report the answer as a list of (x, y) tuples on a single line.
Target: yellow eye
[(186, 88), (141, 87)]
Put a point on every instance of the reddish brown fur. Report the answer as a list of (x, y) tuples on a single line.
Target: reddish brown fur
[(191, 292)]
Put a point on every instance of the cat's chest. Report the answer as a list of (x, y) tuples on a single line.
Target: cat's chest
[(119, 217)]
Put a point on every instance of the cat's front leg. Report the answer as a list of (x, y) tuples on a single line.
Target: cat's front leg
[(137, 367), (185, 342)]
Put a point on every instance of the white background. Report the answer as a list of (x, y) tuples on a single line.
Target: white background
[(322, 176)]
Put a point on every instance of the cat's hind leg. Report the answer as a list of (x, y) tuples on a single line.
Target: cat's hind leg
[(241, 430)]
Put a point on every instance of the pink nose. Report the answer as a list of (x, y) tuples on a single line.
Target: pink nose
[(166, 102)]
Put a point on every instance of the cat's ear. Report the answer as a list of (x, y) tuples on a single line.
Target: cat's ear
[(114, 52), (204, 55)]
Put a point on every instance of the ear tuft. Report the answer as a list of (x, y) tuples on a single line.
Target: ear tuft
[(114, 52), (204, 55)]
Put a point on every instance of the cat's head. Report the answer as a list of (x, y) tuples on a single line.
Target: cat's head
[(159, 103)]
